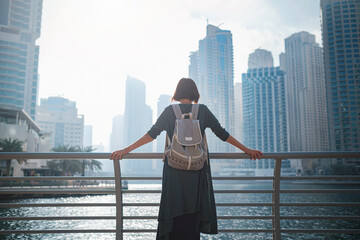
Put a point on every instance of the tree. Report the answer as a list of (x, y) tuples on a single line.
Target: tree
[(66, 166), (10, 145), (91, 164), (74, 166), (342, 169)]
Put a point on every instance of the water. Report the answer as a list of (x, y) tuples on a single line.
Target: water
[(220, 198)]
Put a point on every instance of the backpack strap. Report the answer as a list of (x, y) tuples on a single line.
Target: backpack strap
[(167, 143), (195, 110), (177, 110)]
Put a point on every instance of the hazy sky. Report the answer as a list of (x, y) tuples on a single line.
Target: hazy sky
[(88, 47)]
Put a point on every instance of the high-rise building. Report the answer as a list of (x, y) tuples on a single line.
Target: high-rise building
[(238, 112), (194, 66), (117, 137), (163, 102), (211, 67), (265, 120), (137, 121), (88, 133), (261, 58), (20, 23), (341, 36), (59, 117), (305, 92)]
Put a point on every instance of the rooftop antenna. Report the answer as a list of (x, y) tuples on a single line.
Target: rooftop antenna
[(207, 21)]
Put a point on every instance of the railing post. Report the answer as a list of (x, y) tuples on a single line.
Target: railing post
[(118, 199), (276, 201)]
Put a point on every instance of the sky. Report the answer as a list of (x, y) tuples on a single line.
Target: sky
[(89, 47)]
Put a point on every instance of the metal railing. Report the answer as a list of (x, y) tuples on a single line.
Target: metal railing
[(275, 204)]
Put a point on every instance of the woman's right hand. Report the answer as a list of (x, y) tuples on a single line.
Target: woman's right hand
[(117, 155)]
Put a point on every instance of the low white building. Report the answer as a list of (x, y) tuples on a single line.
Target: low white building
[(17, 124)]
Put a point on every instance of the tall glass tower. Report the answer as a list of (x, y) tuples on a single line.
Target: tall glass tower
[(265, 120), (341, 36), (137, 121), (211, 67), (20, 23)]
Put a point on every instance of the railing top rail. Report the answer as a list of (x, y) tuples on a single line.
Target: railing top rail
[(77, 155), (45, 178)]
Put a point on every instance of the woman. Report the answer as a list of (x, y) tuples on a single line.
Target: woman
[(187, 205)]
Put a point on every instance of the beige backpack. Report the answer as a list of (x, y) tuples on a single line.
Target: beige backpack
[(188, 148)]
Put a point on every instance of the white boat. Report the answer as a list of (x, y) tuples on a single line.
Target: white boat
[(124, 184)]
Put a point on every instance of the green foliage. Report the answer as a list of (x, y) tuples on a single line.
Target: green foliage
[(65, 166), (71, 167), (342, 169), (10, 145), (91, 164)]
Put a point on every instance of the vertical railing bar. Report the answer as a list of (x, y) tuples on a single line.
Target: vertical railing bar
[(276, 200), (118, 196)]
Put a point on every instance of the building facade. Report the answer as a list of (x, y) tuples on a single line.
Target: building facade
[(341, 37), (163, 102), (17, 124), (265, 120), (59, 117), (137, 121), (305, 93), (260, 58), (238, 113), (212, 68), (88, 135), (20, 23), (117, 136)]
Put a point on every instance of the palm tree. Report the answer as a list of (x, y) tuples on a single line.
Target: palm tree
[(10, 145), (94, 165), (90, 164), (66, 166)]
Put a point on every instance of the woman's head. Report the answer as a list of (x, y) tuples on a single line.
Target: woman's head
[(186, 89)]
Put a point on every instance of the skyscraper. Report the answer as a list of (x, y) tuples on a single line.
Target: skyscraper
[(59, 117), (238, 112), (88, 133), (163, 102), (305, 92), (341, 36), (20, 23), (260, 58), (137, 121), (117, 136), (265, 125), (211, 67), (265, 120)]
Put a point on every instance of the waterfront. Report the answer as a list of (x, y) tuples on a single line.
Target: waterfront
[(220, 198)]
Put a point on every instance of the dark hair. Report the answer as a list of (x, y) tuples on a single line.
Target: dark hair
[(186, 89)]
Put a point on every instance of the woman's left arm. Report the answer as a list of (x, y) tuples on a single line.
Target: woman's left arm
[(255, 154), (142, 141)]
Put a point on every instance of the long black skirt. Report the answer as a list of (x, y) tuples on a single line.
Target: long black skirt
[(185, 227)]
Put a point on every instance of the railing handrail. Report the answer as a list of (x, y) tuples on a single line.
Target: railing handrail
[(275, 191), (82, 155)]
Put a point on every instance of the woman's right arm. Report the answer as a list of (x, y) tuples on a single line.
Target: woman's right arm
[(155, 130), (255, 154), (142, 141)]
